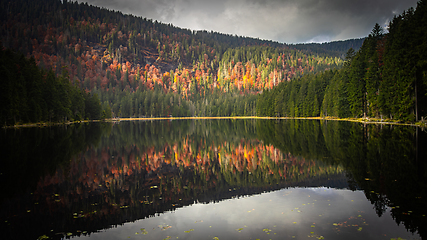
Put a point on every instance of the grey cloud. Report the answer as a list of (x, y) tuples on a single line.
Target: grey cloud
[(287, 21)]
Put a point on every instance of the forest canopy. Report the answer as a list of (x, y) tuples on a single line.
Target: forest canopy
[(385, 79), (137, 67), (31, 94)]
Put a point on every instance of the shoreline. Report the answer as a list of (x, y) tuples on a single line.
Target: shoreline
[(356, 120)]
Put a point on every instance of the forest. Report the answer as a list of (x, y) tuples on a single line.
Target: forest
[(31, 94), (138, 67), (385, 79)]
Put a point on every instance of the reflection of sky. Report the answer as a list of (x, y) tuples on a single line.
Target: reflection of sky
[(302, 213)]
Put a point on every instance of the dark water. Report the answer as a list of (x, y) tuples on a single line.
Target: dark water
[(225, 179)]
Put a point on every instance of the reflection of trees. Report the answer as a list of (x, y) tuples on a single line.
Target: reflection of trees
[(390, 172), (384, 161), (139, 169), (27, 155)]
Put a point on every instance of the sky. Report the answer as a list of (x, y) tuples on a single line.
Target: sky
[(285, 21)]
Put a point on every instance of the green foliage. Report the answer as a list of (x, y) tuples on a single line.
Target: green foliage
[(338, 48), (115, 55), (386, 78), (30, 94), (298, 98)]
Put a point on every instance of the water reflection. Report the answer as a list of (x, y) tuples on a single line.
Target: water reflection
[(103, 175), (303, 213)]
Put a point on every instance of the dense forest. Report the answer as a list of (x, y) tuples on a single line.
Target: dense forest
[(140, 67), (31, 94), (337, 48), (385, 79)]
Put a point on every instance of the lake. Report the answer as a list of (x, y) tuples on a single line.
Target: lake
[(214, 179)]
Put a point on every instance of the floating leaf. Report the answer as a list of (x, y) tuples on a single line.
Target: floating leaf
[(360, 229), (239, 229), (266, 230), (164, 227), (313, 226), (215, 238)]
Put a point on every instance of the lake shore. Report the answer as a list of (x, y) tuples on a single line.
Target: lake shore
[(421, 124)]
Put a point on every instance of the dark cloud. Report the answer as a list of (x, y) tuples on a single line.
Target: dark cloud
[(288, 21)]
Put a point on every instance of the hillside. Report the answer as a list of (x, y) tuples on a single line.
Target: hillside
[(385, 80), (336, 48), (140, 67), (31, 94)]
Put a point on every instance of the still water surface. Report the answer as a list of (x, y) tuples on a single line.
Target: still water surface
[(225, 179)]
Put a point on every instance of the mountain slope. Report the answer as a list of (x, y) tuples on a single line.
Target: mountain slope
[(385, 79), (117, 55)]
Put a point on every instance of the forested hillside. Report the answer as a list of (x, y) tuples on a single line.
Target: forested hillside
[(140, 67), (385, 79), (337, 48), (31, 94)]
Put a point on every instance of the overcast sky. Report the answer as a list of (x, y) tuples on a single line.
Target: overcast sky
[(286, 21)]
